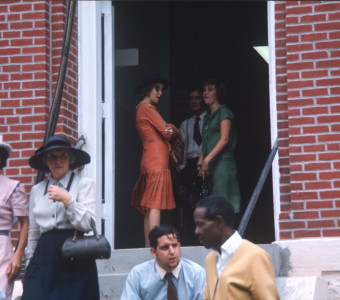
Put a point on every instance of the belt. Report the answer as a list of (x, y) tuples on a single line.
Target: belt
[(4, 232)]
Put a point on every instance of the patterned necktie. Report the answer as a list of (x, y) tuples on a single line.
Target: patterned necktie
[(172, 292), (197, 134)]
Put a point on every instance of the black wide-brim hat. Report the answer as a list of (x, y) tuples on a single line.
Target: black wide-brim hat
[(151, 78), (58, 142)]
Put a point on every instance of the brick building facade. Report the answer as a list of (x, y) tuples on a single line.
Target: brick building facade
[(307, 89), (307, 47), (30, 53)]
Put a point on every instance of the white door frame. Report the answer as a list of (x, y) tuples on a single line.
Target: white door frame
[(91, 111), (273, 114), (96, 105)]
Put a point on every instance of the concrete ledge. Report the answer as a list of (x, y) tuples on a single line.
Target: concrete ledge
[(113, 272), (122, 260), (17, 290), (309, 257), (317, 257), (111, 286), (302, 288)]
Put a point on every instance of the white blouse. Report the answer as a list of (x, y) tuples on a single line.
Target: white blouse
[(46, 214)]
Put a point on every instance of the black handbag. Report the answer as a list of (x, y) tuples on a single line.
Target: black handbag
[(204, 191), (86, 247)]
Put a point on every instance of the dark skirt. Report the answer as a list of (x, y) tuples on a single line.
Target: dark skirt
[(51, 277)]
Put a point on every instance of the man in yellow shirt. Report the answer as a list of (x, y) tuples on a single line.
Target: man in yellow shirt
[(236, 268)]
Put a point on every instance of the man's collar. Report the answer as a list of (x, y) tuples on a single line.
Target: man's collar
[(161, 272), (203, 114), (231, 244), (194, 116)]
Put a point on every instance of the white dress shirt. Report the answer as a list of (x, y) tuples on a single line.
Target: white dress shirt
[(146, 281), (46, 214), (227, 250), (191, 149)]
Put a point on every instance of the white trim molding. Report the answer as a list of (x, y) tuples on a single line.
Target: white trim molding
[(96, 103), (273, 114)]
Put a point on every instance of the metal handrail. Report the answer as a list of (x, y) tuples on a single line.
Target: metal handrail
[(258, 189)]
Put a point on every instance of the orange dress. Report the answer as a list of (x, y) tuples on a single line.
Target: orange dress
[(154, 186)]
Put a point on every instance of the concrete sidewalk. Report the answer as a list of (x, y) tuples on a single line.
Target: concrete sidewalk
[(17, 291)]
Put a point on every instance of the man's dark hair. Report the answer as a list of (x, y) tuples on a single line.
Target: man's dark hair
[(194, 89), (158, 231), (216, 205), (4, 156)]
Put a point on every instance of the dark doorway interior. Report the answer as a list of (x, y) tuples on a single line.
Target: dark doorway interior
[(198, 40)]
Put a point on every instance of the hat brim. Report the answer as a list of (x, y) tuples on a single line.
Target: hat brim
[(7, 147), (36, 161), (165, 83)]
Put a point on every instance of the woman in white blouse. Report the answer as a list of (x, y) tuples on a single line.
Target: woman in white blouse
[(63, 202)]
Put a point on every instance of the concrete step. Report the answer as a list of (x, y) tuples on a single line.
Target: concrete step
[(302, 288), (113, 272), (123, 260), (289, 288), (111, 286)]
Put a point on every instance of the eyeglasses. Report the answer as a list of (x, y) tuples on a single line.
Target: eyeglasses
[(53, 157)]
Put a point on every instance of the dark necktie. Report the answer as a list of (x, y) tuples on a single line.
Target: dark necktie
[(172, 292), (197, 134)]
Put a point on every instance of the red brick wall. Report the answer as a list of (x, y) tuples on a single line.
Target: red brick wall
[(30, 49), (308, 103), (68, 117)]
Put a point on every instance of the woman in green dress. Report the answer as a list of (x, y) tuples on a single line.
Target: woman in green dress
[(217, 162)]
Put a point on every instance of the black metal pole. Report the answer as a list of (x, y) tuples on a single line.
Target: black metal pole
[(257, 191), (55, 107)]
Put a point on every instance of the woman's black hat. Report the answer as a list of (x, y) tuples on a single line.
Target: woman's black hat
[(151, 78), (58, 142)]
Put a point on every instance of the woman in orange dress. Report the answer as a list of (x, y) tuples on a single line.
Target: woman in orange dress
[(153, 191)]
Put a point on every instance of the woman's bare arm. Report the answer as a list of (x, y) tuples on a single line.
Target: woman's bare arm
[(222, 142)]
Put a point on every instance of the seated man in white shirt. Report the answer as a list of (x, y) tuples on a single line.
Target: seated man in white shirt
[(150, 280)]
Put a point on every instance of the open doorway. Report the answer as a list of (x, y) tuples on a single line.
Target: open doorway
[(189, 42)]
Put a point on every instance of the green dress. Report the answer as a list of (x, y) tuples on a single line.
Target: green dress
[(222, 179)]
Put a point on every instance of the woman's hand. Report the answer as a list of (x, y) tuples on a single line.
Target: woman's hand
[(204, 168), (173, 129), (57, 193), (222, 142), (14, 267)]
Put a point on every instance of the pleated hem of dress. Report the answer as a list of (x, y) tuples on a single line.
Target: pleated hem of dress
[(153, 189)]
